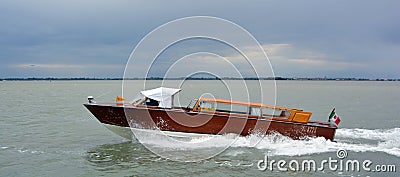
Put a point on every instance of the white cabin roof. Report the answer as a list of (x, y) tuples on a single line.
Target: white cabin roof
[(162, 94)]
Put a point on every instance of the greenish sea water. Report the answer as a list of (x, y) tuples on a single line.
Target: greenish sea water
[(46, 131)]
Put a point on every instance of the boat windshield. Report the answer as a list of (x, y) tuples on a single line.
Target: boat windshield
[(192, 103), (139, 98), (142, 100)]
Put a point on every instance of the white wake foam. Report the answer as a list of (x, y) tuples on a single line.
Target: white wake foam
[(357, 140), (377, 134)]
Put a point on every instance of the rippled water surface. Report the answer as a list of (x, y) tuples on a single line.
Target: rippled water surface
[(45, 131)]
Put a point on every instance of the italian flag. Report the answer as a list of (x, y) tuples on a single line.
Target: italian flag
[(334, 117)]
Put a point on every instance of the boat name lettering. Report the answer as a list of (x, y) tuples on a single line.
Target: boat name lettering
[(307, 129)]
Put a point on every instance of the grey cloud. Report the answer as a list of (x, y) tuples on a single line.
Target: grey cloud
[(104, 32)]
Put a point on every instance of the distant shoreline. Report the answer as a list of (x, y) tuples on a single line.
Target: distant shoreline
[(182, 78)]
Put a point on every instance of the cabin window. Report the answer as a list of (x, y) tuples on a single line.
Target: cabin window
[(271, 112), (207, 106), (255, 111), (285, 114), (223, 107), (232, 108)]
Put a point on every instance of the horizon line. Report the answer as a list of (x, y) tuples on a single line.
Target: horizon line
[(196, 78)]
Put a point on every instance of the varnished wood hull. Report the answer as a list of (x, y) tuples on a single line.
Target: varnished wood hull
[(180, 120)]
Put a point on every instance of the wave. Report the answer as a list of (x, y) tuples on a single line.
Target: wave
[(377, 134), (385, 140), (356, 140), (21, 150), (377, 140)]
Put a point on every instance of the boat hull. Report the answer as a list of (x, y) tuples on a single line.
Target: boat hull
[(181, 120)]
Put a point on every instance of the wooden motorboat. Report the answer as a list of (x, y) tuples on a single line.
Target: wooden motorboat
[(154, 110)]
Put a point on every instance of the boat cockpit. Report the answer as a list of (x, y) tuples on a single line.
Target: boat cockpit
[(251, 110), (163, 98)]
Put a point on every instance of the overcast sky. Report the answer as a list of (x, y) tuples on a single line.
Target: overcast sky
[(75, 38)]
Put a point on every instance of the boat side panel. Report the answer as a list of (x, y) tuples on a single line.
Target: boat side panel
[(217, 124), (108, 114), (195, 122)]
